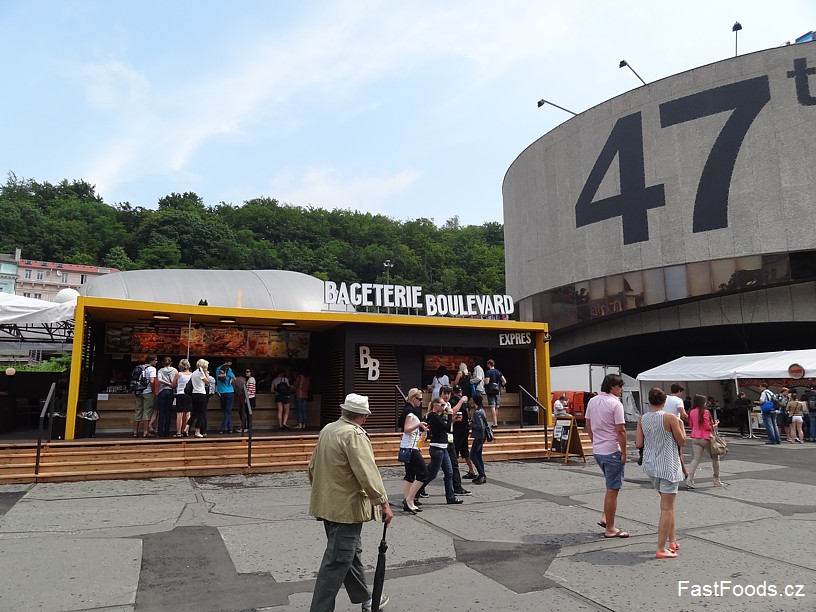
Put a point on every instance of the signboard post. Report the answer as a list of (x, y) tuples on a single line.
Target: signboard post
[(566, 441)]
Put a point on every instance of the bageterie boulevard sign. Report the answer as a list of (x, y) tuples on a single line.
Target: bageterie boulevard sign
[(404, 296)]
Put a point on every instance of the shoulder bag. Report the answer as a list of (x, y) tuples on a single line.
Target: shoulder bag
[(719, 447), (489, 433)]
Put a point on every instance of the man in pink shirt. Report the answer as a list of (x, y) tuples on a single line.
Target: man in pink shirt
[(606, 428)]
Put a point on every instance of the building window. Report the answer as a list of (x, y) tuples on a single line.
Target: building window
[(63, 277), (83, 279), (28, 273), (26, 294), (38, 296), (39, 275)]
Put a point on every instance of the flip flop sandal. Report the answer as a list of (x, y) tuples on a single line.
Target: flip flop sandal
[(619, 534), (602, 524)]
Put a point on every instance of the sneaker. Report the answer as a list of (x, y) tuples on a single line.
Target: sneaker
[(455, 500), (422, 494), (480, 481), (383, 603), (470, 476), (463, 492), (690, 484)]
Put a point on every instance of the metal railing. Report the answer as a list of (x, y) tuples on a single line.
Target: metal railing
[(48, 407), (524, 393), (400, 399), (249, 429)]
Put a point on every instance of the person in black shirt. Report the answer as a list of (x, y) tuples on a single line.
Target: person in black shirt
[(439, 449), (452, 409), (743, 407)]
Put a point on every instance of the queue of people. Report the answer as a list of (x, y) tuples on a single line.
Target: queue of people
[(180, 396)]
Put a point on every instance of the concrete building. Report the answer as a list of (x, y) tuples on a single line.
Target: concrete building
[(8, 272), (43, 280), (675, 219)]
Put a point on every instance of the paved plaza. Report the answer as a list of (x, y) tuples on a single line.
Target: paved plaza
[(527, 540)]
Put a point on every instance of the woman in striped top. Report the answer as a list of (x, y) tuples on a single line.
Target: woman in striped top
[(250, 393), (660, 434)]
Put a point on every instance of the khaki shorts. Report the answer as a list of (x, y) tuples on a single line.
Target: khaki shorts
[(144, 407)]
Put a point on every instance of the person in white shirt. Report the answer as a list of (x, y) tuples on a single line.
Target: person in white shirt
[(674, 402)]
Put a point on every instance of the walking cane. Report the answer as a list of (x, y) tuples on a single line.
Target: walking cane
[(379, 574)]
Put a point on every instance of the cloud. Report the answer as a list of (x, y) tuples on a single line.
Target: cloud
[(329, 57), (111, 84), (328, 188)]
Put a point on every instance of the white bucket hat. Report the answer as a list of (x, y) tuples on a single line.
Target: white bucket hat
[(356, 403)]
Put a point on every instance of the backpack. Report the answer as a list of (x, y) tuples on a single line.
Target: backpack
[(138, 379), (283, 388), (811, 402), (775, 402)]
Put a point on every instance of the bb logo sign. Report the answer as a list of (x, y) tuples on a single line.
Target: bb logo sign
[(367, 362)]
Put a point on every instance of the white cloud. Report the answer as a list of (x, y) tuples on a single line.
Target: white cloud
[(328, 188), (330, 58), (111, 84)]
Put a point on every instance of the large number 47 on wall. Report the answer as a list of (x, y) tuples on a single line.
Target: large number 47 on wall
[(745, 98)]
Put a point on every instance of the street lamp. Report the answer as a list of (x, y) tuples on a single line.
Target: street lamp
[(735, 29), (624, 63), (388, 264), (542, 102)]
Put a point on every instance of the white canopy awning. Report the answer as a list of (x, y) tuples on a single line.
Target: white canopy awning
[(729, 367), (19, 310)]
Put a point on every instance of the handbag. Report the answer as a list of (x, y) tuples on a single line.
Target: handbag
[(719, 447), (404, 454), (489, 433), (188, 388)]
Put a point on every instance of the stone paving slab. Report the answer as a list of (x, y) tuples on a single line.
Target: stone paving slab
[(36, 516), (260, 503), (692, 508), (111, 488), (291, 550), (69, 574), (767, 492), (456, 588), (535, 521), (626, 576)]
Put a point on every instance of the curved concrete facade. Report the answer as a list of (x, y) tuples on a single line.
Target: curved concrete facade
[(674, 197)]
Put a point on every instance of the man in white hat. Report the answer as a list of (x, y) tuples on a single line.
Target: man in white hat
[(341, 471)]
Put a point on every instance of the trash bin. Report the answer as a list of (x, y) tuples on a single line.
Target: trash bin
[(58, 427), (531, 415)]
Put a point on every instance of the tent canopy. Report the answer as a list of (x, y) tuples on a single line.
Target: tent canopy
[(19, 310), (729, 367)]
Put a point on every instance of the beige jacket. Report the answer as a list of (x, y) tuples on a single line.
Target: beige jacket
[(346, 485)]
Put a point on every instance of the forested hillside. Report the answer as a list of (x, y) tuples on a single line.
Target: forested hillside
[(69, 222)]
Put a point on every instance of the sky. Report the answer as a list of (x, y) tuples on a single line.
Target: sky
[(410, 109)]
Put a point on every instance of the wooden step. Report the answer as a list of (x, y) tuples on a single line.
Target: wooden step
[(89, 459)]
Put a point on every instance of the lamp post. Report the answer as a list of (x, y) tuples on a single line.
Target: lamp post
[(735, 29), (542, 102), (624, 63), (388, 264)]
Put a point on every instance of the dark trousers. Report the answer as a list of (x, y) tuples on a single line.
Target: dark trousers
[(341, 565), (476, 456), (743, 421), (457, 477), (198, 416), (164, 402)]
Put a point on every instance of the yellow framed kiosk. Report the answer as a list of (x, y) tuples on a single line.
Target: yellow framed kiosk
[(366, 352)]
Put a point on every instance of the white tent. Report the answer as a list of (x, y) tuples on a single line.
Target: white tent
[(19, 310), (700, 370), (732, 367)]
